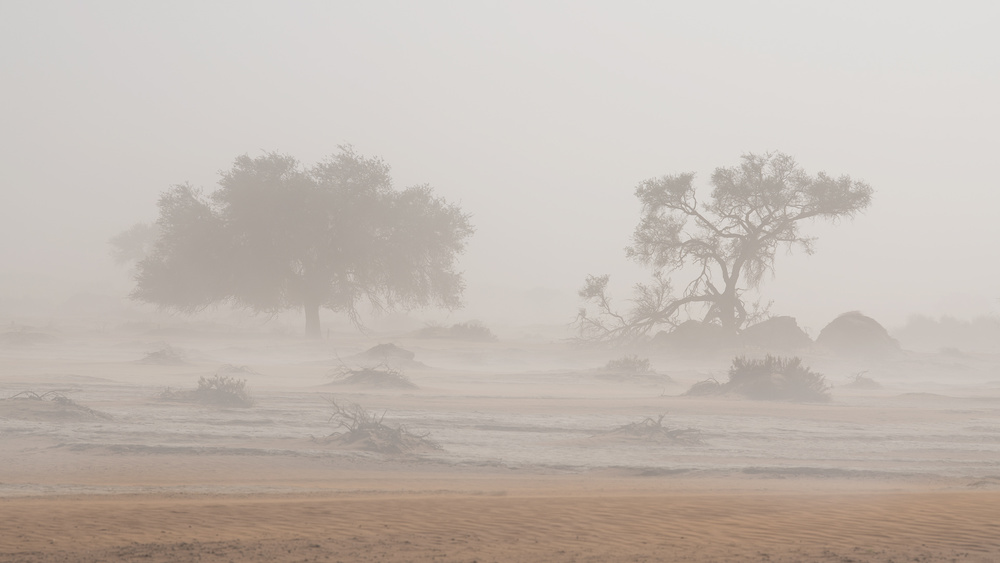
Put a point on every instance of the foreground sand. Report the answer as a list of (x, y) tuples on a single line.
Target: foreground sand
[(595, 519)]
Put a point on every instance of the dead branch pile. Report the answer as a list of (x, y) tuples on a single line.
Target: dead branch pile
[(381, 376), (651, 430), (359, 428), (57, 405), (219, 390)]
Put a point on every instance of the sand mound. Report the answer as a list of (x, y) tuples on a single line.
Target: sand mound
[(856, 335), (780, 334), (694, 338), (650, 430), (50, 406)]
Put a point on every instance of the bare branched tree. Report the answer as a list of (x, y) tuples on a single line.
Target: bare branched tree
[(729, 241)]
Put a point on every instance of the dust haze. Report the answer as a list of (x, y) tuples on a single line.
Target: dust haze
[(876, 379)]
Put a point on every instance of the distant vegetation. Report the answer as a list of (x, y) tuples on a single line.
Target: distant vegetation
[(771, 378), (218, 390), (629, 365), (276, 235), (730, 237), (379, 376)]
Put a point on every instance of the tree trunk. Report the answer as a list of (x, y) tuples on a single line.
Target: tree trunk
[(312, 320), (727, 311)]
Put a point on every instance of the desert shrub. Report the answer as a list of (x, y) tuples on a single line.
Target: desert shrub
[(771, 378), (218, 390), (360, 428), (861, 381), (381, 375), (166, 356), (776, 378), (629, 364), (472, 330), (652, 430), (231, 368)]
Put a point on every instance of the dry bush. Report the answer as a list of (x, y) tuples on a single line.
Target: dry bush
[(360, 428), (219, 390), (860, 381), (56, 405), (166, 356), (651, 430), (630, 365), (379, 376), (772, 378)]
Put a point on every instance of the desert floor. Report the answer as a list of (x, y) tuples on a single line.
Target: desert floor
[(529, 461)]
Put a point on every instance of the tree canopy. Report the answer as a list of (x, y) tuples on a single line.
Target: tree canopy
[(277, 235), (728, 242)]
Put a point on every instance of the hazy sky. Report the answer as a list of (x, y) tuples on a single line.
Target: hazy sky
[(539, 118)]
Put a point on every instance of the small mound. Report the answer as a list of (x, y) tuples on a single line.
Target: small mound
[(632, 369), (473, 331), (694, 338), (50, 406), (388, 355), (649, 430), (861, 381), (856, 335), (710, 386), (381, 377), (780, 334), (388, 352), (166, 356), (229, 369)]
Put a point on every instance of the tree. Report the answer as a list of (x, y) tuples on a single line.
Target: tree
[(278, 236), (133, 244), (728, 243)]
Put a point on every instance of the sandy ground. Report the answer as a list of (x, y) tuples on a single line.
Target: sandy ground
[(528, 466)]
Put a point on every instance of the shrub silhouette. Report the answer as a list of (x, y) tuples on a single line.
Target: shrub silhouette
[(771, 378), (219, 390)]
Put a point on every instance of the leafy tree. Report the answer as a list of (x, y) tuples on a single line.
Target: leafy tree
[(277, 236), (728, 242), (133, 244)]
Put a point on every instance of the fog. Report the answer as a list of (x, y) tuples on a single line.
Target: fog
[(539, 116), (538, 119)]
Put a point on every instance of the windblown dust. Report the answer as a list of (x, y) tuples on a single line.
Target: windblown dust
[(541, 457)]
